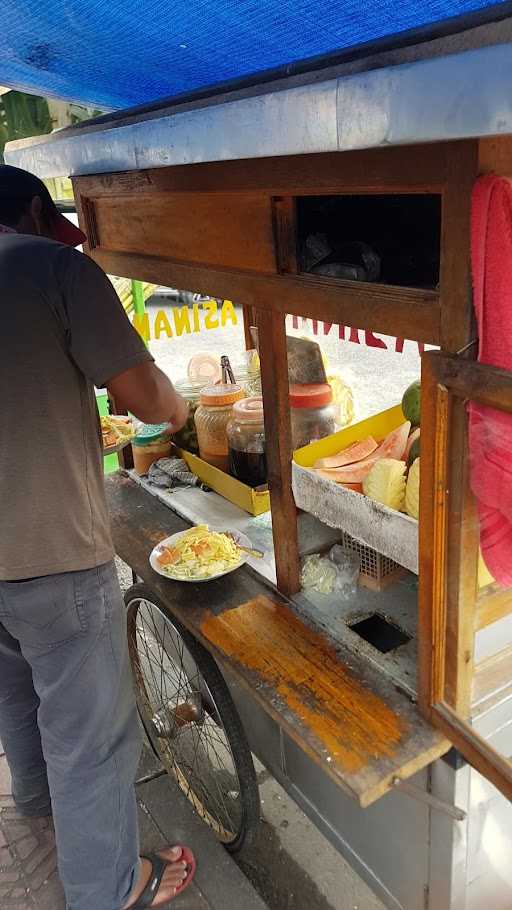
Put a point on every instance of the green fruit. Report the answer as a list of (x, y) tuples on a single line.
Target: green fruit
[(414, 452), (411, 403)]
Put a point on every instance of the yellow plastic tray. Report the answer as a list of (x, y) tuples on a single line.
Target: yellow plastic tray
[(378, 426), (391, 533), (253, 501)]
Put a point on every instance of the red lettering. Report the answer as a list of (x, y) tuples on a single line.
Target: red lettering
[(373, 342), (399, 346), (354, 336)]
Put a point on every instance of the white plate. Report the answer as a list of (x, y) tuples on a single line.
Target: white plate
[(240, 539)]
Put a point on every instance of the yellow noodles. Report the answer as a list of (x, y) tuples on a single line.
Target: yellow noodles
[(199, 553)]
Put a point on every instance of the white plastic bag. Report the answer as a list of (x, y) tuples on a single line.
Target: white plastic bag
[(336, 573)]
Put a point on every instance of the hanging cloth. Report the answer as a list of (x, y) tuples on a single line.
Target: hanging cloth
[(490, 430)]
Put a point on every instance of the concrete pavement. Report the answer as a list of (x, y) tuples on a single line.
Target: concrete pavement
[(28, 861)]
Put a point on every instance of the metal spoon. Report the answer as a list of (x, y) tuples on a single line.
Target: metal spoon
[(258, 554)]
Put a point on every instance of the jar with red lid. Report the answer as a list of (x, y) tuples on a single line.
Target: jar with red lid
[(313, 414), (246, 440), (212, 418)]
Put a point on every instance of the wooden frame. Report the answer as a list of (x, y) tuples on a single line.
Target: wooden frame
[(448, 169), (268, 294), (448, 382), (269, 286)]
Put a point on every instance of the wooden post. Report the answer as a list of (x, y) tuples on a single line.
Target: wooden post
[(432, 542), (457, 331), (274, 378)]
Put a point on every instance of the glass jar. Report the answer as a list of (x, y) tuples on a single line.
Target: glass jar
[(212, 418), (246, 441), (151, 443), (313, 414), (247, 373), (190, 389)]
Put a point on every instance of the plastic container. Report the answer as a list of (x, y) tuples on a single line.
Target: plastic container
[(313, 414), (204, 367), (151, 443), (212, 418), (190, 389), (246, 441)]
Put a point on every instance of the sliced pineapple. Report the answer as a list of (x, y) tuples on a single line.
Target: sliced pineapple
[(386, 483), (412, 492)]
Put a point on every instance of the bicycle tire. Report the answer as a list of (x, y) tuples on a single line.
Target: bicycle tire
[(225, 708)]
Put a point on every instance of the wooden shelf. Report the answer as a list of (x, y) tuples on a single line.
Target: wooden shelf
[(335, 704)]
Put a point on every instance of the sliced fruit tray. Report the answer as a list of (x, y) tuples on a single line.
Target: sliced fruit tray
[(340, 478)]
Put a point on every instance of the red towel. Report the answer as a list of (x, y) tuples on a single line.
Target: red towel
[(491, 430)]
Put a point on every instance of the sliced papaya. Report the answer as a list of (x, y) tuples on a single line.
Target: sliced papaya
[(395, 443), (352, 473), (355, 487), (392, 447), (358, 451), (168, 557)]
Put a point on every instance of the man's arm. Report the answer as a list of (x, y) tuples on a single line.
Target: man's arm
[(147, 392), (106, 347)]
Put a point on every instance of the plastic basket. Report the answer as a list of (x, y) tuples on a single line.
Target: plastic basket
[(378, 572)]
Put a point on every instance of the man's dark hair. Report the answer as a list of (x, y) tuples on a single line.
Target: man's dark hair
[(11, 210), (17, 190)]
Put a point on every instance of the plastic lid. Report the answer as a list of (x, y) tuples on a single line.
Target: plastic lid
[(249, 410), (310, 396), (204, 366), (150, 433), (217, 396)]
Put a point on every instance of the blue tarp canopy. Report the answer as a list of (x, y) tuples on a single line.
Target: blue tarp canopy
[(119, 53)]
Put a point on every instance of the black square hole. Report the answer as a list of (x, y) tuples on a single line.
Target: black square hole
[(380, 633)]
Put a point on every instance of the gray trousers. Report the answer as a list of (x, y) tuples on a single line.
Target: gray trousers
[(69, 728)]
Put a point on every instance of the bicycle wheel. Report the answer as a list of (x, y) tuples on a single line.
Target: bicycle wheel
[(190, 719)]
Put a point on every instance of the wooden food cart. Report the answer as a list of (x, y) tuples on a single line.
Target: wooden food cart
[(214, 195)]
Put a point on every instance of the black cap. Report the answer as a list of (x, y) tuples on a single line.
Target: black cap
[(16, 183)]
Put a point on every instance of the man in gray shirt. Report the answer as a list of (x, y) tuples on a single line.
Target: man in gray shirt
[(67, 715)]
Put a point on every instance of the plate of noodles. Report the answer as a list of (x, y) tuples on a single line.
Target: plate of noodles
[(200, 554)]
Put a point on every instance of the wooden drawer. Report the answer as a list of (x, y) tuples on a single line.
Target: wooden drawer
[(234, 231)]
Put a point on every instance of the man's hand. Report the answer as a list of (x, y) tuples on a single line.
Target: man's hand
[(148, 394), (180, 416)]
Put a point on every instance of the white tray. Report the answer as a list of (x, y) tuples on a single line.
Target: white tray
[(391, 533)]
